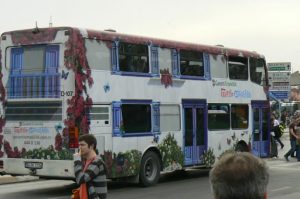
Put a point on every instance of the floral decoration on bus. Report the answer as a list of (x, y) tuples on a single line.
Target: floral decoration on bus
[(208, 158), (75, 59), (172, 155), (166, 77), (36, 143), (122, 164), (39, 153)]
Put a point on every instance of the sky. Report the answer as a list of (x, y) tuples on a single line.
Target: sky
[(269, 27)]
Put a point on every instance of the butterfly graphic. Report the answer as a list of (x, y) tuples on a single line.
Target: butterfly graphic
[(64, 75), (106, 88), (228, 141), (155, 139), (233, 136), (58, 127), (214, 82)]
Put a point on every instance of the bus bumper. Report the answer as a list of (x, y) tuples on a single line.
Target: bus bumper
[(39, 167)]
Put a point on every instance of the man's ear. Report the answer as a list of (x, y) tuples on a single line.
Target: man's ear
[(91, 146)]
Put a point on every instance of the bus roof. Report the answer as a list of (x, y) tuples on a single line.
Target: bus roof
[(41, 35)]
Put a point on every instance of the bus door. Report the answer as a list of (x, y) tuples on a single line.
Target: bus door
[(260, 130), (194, 131)]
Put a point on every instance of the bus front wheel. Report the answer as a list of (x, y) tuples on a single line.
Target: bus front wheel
[(150, 169)]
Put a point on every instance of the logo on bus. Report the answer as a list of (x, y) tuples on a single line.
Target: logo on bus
[(223, 83), (235, 93)]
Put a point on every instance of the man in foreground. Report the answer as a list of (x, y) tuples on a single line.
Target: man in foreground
[(239, 175), (90, 169)]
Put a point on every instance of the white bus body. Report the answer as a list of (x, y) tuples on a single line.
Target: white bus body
[(154, 105)]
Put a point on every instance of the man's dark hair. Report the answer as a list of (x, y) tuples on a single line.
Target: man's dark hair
[(89, 139), (239, 175)]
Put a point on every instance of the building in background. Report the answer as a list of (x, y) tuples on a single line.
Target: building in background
[(295, 86)]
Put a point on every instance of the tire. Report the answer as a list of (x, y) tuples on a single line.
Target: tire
[(150, 169)]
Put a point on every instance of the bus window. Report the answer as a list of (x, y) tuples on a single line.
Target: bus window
[(191, 63), (238, 68), (136, 118), (257, 71), (35, 59), (98, 115), (165, 59), (33, 111), (218, 117), (169, 118), (218, 66), (97, 54), (133, 58), (31, 70), (239, 116)]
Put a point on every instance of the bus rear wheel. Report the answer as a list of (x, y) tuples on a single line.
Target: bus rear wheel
[(150, 169)]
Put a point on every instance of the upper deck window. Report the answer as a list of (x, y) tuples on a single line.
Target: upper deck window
[(257, 71), (165, 59), (34, 59), (34, 72), (98, 54), (238, 68), (218, 66), (133, 58), (191, 63)]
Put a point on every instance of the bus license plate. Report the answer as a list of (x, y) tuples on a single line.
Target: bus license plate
[(34, 165)]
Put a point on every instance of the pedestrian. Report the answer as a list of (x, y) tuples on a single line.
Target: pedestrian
[(293, 139), (283, 117), (89, 169), (275, 128), (239, 175)]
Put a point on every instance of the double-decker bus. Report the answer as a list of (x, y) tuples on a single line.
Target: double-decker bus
[(154, 105)]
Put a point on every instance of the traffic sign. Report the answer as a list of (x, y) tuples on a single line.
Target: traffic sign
[(280, 94), (279, 66), (279, 76)]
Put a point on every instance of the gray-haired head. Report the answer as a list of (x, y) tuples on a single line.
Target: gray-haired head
[(239, 175)]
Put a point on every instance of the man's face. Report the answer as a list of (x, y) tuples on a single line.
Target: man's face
[(84, 149)]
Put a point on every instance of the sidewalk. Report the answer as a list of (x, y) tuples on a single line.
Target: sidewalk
[(7, 179)]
